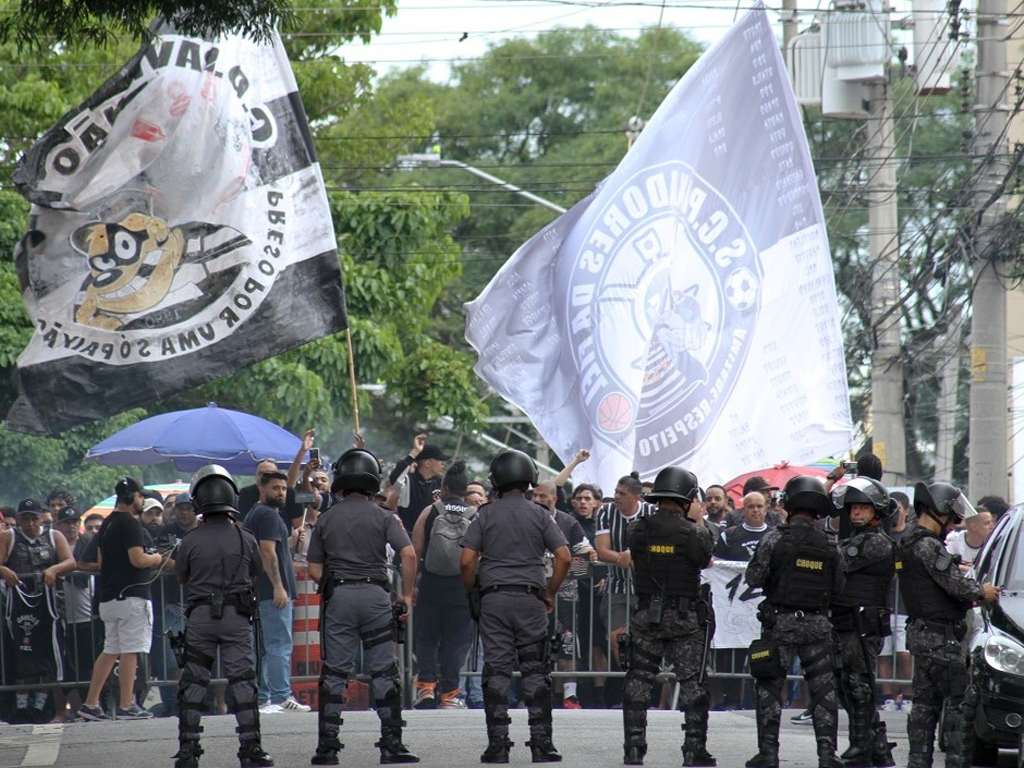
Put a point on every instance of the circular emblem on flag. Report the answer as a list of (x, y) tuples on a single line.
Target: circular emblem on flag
[(663, 299)]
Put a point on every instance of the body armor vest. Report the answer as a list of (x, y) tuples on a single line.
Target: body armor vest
[(666, 556), (868, 580), (924, 598), (803, 567)]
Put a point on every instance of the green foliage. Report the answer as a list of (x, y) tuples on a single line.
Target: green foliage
[(39, 23)]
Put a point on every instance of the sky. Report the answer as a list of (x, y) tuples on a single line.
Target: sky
[(441, 31)]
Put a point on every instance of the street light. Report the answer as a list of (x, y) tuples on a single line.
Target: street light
[(434, 160)]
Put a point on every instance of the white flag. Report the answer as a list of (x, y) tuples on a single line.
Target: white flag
[(685, 312)]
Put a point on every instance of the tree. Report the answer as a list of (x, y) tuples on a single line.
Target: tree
[(42, 23)]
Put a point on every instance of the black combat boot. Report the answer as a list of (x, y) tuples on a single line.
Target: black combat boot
[(188, 754), (860, 753), (827, 757), (695, 751), (768, 754), (392, 750), (497, 749), (327, 748), (634, 722), (252, 755), (543, 750), (881, 753)]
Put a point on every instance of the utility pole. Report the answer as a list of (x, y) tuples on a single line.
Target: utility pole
[(888, 434), (790, 27), (987, 471)]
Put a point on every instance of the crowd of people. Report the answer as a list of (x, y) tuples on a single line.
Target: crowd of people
[(50, 558)]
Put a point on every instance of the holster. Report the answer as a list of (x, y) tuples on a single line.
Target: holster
[(326, 587), (177, 642), (765, 660), (766, 614), (397, 611)]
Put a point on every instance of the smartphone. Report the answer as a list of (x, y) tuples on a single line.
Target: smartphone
[(314, 454), (305, 497), (849, 467)]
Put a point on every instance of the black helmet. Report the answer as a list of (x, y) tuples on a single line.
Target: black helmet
[(511, 468), (806, 493), (213, 490), (674, 483), (944, 498), (356, 470), (864, 490)]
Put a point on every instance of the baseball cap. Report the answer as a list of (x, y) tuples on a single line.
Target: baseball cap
[(127, 485), (149, 504), (68, 513), (431, 451), (182, 499), (29, 507)]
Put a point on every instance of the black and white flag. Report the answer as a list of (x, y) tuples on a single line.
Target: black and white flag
[(685, 312), (180, 231)]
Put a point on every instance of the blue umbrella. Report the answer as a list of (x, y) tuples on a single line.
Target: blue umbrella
[(196, 437)]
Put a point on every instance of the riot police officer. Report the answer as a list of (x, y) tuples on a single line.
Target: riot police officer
[(219, 561), (800, 571), (348, 558), (671, 619), (938, 596), (861, 615), (511, 602)]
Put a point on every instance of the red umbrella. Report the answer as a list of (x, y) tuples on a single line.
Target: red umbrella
[(776, 476)]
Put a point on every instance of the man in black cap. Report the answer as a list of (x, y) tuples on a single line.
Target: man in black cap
[(125, 602), (421, 483)]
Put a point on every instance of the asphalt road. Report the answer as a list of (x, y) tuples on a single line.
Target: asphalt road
[(442, 738)]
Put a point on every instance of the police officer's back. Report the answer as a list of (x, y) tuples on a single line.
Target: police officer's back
[(799, 570), (219, 561), (671, 619), (937, 596), (348, 559), (511, 535)]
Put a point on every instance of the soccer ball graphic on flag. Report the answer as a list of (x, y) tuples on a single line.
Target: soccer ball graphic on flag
[(741, 289)]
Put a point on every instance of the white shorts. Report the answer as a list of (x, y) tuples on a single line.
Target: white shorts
[(127, 625), (899, 636)]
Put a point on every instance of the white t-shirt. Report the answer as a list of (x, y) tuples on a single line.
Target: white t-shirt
[(956, 543)]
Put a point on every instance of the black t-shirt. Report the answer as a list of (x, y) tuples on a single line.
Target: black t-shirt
[(738, 543), (118, 577), (249, 496)]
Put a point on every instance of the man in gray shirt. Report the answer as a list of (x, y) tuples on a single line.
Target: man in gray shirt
[(348, 559), (510, 536)]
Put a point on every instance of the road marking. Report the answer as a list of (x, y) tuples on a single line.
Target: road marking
[(44, 746)]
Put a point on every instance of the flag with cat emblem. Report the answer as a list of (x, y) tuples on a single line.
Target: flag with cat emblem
[(180, 231)]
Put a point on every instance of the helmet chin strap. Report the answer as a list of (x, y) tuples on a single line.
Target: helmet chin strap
[(945, 526)]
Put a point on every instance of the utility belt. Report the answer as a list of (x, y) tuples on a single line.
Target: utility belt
[(680, 604), (528, 589), (952, 630), (242, 602), (865, 620), (382, 583), (784, 610)]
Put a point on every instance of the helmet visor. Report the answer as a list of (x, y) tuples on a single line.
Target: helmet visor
[(962, 508), (860, 490)]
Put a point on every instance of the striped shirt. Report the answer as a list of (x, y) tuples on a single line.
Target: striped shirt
[(611, 521)]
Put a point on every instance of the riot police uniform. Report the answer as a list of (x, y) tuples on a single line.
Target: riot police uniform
[(219, 561), (671, 619), (800, 571), (348, 559), (938, 596), (861, 618), (511, 601)]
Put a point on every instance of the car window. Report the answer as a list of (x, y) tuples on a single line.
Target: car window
[(1010, 568), (991, 553)]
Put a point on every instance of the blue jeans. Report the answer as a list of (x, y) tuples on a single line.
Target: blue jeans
[(276, 669)]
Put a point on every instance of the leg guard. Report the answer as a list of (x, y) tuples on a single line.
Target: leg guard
[(921, 726), (247, 714), (860, 706), (956, 742), (533, 663), (331, 693), (195, 678), (881, 755), (821, 680), (496, 685)]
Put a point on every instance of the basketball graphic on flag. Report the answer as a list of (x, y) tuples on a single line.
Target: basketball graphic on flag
[(614, 413)]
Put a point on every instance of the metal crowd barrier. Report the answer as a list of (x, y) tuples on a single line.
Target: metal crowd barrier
[(84, 641)]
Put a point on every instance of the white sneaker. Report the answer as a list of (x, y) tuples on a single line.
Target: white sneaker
[(888, 706), (292, 705), (271, 709)]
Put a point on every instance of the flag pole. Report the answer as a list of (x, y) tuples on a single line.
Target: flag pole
[(352, 379)]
